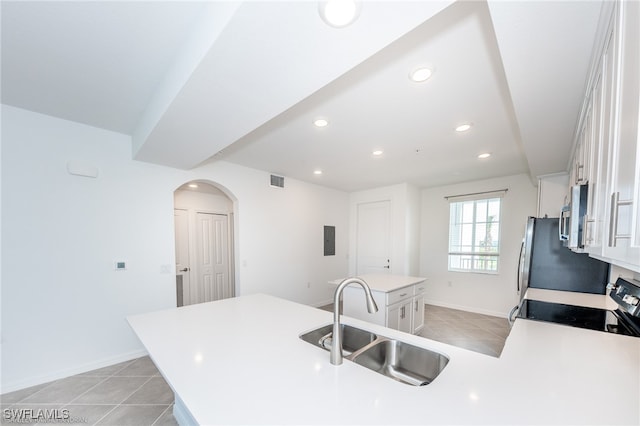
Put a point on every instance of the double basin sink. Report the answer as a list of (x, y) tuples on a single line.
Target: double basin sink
[(390, 357)]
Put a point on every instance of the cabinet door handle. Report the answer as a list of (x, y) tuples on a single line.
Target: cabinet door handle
[(562, 222), (416, 306), (402, 312), (579, 170), (613, 219), (585, 226), (403, 294), (587, 235)]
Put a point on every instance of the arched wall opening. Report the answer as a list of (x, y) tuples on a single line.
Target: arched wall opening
[(205, 227)]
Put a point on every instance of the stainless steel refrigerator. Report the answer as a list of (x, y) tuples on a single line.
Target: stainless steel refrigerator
[(546, 263)]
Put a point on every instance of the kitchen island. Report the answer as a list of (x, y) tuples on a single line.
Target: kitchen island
[(400, 300), (240, 361)]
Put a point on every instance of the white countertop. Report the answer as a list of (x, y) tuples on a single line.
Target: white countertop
[(240, 361), (385, 282), (572, 298)]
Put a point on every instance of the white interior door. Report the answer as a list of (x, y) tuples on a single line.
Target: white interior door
[(181, 221), (212, 254), (373, 238)]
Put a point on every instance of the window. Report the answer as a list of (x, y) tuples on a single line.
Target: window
[(474, 235)]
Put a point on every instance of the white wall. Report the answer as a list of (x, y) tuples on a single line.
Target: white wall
[(405, 225), (63, 304), (281, 237), (553, 191), (412, 231), (483, 293)]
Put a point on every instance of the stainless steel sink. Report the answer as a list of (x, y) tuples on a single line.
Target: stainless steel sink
[(353, 338), (395, 359), (402, 362)]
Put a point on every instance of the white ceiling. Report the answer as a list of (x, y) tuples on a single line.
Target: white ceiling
[(245, 80), (97, 63)]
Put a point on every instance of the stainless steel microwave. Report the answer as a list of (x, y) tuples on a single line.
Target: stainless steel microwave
[(572, 218)]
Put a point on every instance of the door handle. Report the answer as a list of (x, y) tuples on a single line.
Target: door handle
[(184, 270), (386, 266)]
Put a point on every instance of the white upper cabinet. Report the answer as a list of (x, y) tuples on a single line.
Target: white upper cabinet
[(607, 156), (602, 101), (623, 234)]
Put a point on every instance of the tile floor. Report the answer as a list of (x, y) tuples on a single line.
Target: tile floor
[(130, 393), (477, 332), (134, 392)]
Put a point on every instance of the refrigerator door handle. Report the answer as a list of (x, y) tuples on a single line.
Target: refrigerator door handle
[(512, 314), (526, 251), (519, 282)]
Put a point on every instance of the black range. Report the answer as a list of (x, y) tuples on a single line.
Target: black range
[(624, 320)]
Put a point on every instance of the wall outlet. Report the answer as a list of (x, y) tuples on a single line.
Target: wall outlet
[(308, 285)]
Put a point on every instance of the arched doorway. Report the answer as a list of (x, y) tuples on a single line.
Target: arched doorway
[(204, 238)]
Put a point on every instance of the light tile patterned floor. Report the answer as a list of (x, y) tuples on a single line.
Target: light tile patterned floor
[(130, 393)]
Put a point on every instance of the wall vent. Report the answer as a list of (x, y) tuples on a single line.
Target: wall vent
[(277, 181)]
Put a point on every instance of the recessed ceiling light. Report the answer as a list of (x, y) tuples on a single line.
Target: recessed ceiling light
[(463, 127), (485, 155), (339, 13), (378, 152), (193, 185), (317, 172), (320, 122), (421, 74)]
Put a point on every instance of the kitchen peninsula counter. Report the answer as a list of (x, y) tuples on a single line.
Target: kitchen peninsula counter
[(240, 361)]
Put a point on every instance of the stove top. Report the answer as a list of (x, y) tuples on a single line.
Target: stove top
[(617, 322)]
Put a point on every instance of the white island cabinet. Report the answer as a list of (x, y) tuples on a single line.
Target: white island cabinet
[(400, 301)]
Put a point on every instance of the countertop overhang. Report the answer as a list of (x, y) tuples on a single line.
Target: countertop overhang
[(385, 282), (240, 361)]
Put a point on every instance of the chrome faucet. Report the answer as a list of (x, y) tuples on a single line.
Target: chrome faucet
[(336, 337)]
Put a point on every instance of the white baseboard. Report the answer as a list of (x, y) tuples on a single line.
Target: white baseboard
[(467, 308), (61, 374)]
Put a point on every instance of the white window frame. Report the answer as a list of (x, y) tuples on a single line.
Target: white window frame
[(475, 198)]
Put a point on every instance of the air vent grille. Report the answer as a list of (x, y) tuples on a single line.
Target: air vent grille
[(277, 181)]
